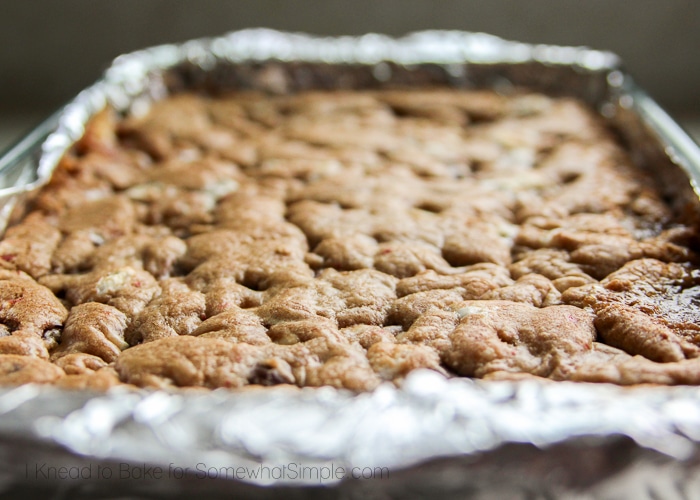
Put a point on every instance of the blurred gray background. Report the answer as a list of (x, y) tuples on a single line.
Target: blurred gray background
[(50, 49)]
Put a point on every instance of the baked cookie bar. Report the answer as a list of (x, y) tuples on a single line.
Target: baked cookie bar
[(347, 238)]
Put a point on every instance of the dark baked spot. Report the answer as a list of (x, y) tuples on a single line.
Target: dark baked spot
[(271, 372)]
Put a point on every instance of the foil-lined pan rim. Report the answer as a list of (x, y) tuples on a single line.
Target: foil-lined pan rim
[(428, 416)]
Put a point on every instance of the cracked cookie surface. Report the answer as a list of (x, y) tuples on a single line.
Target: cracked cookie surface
[(347, 238)]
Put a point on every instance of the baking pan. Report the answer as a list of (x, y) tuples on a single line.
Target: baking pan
[(452, 438)]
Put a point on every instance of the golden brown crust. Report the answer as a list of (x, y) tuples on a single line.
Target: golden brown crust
[(517, 337), (347, 238), (647, 308), (99, 380), (31, 315), (94, 329), (16, 369)]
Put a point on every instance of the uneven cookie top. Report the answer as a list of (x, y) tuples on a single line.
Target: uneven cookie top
[(346, 238)]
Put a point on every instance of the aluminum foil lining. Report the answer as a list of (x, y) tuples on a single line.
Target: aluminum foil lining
[(429, 418)]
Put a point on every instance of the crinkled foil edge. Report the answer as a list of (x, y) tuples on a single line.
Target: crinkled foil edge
[(398, 428)]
